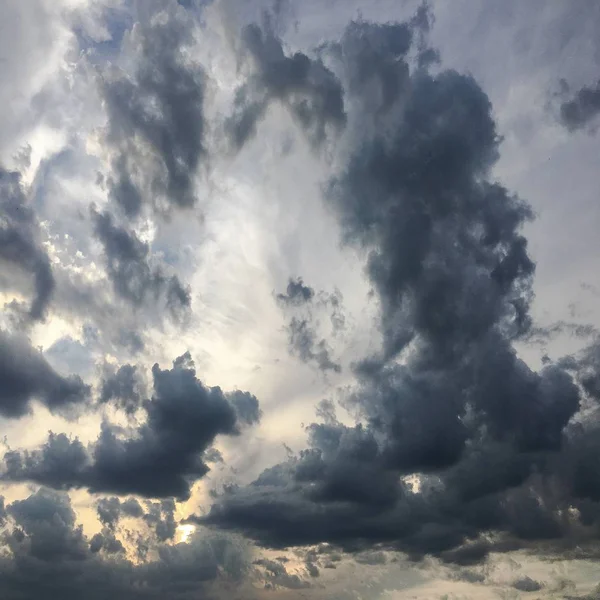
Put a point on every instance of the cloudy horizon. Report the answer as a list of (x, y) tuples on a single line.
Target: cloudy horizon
[(299, 299)]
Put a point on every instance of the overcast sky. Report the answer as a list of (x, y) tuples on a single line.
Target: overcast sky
[(300, 299)]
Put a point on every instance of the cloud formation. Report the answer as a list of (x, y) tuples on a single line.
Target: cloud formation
[(304, 85), (450, 445), (26, 376), (156, 123), (20, 244), (128, 268), (160, 458), (447, 397), (581, 109), (47, 551), (303, 341)]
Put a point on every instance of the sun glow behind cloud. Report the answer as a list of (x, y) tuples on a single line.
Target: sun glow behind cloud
[(184, 532)]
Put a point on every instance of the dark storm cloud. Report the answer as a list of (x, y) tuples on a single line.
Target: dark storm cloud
[(25, 376), (19, 241), (447, 398), (309, 90), (586, 368), (47, 554), (123, 387), (106, 542), (111, 510), (156, 120), (303, 339), (162, 457), (581, 109), (128, 268), (48, 521), (161, 517)]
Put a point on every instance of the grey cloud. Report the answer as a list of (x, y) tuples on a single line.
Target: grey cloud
[(161, 517), (107, 542), (303, 343), (162, 457), (246, 407), (128, 268), (469, 576), (48, 521), (109, 511), (586, 368), (371, 558), (58, 464), (582, 108), (158, 516), (447, 399), (298, 301), (276, 575), (296, 293), (19, 241), (309, 90), (47, 553), (156, 121), (539, 334), (124, 387), (25, 376), (526, 584)]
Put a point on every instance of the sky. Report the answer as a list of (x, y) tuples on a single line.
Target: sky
[(299, 299)]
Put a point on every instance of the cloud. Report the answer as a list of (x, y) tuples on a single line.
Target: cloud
[(447, 400), (304, 85), (581, 109), (161, 457), (296, 293), (128, 269), (124, 388), (156, 122), (526, 584), (20, 244), (48, 521), (25, 376), (106, 542), (302, 329), (276, 575), (303, 344), (161, 516), (47, 553)]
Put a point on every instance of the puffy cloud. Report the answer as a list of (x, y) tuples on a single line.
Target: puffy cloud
[(156, 121), (48, 553), (526, 584), (447, 401), (296, 293), (276, 575), (20, 243), (48, 521), (303, 343), (298, 301), (581, 109), (310, 91), (124, 388), (162, 457), (25, 376), (128, 268)]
